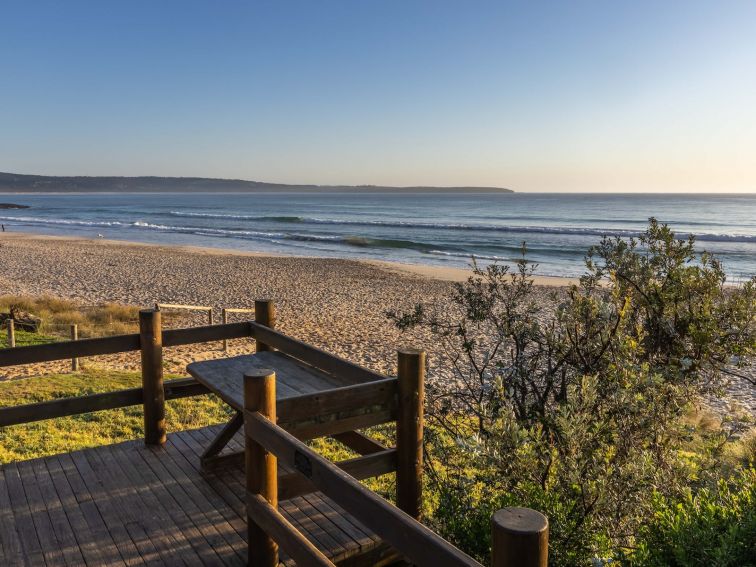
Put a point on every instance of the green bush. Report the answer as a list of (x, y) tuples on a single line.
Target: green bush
[(575, 404), (464, 518), (714, 527)]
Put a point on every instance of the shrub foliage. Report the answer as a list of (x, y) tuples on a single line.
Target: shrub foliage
[(574, 405)]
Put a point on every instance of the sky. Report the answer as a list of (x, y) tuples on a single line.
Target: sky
[(531, 95)]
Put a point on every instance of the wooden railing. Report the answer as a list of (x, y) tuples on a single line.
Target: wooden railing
[(267, 442), (224, 318), (520, 536), (150, 341), (181, 307)]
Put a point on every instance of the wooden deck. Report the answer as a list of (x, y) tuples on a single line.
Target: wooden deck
[(151, 501), (129, 504)]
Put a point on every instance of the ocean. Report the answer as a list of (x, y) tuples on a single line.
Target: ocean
[(438, 229)]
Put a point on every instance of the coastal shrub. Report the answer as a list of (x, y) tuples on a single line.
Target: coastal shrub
[(714, 527), (465, 495), (575, 403)]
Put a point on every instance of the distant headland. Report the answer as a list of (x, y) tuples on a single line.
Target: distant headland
[(20, 183)]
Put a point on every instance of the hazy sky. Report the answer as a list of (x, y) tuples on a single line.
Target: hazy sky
[(537, 96)]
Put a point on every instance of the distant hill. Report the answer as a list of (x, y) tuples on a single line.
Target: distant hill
[(19, 183)]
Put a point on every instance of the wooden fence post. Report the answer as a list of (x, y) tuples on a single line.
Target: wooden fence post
[(74, 337), (409, 432), (520, 538), (224, 319), (265, 314), (11, 332), (261, 466), (151, 340), (210, 316)]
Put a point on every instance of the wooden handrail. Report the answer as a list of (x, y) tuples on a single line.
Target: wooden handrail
[(328, 402), (359, 442), (297, 546), (28, 413), (206, 333), (340, 410), (224, 318), (380, 386), (66, 350), (239, 309), (69, 349), (367, 466), (205, 308), (421, 545), (312, 355), (116, 344), (160, 306)]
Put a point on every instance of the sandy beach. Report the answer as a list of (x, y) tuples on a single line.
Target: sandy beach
[(335, 304), (338, 305)]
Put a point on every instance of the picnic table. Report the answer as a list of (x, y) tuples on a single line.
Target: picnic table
[(322, 396)]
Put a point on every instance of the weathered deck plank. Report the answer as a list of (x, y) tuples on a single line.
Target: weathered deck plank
[(64, 533), (128, 504)]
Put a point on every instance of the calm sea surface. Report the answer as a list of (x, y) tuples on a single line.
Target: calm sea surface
[(438, 229)]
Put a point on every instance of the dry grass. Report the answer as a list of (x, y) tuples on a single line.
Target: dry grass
[(745, 448), (703, 420), (59, 314)]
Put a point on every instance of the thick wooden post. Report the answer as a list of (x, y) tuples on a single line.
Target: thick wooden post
[(224, 318), (520, 538), (261, 466), (74, 337), (151, 339), (210, 316), (265, 314), (11, 332), (409, 432)]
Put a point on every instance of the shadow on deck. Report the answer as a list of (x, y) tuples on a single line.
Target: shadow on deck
[(128, 504)]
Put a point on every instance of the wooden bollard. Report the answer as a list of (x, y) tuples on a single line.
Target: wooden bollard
[(261, 466), (224, 319), (74, 337), (151, 340), (520, 538), (265, 314), (210, 316), (11, 332), (409, 432)]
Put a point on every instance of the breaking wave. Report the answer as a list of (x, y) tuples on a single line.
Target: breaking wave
[(504, 229)]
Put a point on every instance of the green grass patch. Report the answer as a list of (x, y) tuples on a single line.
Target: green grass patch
[(20, 442), (332, 450), (24, 338)]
